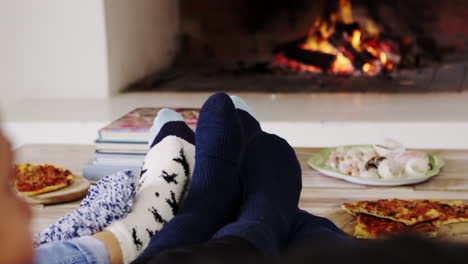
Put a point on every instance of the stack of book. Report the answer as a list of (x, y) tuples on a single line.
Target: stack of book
[(123, 144)]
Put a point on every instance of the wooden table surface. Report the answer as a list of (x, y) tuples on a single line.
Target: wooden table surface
[(319, 194)]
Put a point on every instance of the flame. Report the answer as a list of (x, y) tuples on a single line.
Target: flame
[(320, 45), (342, 65), (356, 40), (365, 41), (370, 69), (372, 29), (346, 13), (366, 67), (383, 58)]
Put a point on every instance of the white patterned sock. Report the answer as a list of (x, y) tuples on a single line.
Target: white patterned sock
[(165, 178)]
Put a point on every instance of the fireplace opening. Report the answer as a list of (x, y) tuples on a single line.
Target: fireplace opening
[(338, 44), (318, 46)]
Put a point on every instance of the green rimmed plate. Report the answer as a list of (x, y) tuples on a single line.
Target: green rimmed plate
[(318, 161)]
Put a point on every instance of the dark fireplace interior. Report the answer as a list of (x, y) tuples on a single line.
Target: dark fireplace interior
[(318, 46)]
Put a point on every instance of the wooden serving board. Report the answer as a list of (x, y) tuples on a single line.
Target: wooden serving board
[(78, 189), (347, 222)]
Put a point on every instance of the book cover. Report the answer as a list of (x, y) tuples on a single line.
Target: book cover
[(135, 125), (121, 146), (119, 158)]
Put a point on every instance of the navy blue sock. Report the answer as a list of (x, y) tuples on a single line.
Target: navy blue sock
[(250, 125), (308, 227), (214, 195), (175, 128), (247, 117), (271, 180), (169, 123)]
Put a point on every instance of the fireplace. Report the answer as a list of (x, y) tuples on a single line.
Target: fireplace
[(318, 46)]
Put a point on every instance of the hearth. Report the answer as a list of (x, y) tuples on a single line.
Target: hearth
[(318, 46)]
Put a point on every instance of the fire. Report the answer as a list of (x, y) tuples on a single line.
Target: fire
[(346, 12), (356, 40), (356, 50), (342, 65)]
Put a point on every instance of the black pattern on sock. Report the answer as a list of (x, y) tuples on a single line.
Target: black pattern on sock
[(142, 172), (157, 217), (183, 161), (157, 194), (186, 181), (169, 177), (173, 203), (151, 233), (136, 240)]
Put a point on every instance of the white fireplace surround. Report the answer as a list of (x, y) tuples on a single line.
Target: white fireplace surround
[(436, 120), (82, 48), (65, 61)]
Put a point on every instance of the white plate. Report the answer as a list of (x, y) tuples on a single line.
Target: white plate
[(318, 162), (376, 182)]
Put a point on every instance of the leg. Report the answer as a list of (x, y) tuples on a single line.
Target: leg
[(108, 200), (214, 193), (162, 186), (307, 228), (271, 177), (82, 250), (229, 249)]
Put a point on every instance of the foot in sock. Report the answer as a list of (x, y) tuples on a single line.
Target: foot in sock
[(271, 180), (307, 227), (165, 176), (250, 125), (108, 200), (214, 194)]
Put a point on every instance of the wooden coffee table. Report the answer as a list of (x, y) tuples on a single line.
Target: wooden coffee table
[(320, 193)]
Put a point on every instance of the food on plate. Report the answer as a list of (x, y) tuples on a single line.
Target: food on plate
[(390, 148), (389, 169), (36, 179), (407, 212), (368, 226), (381, 218), (389, 161)]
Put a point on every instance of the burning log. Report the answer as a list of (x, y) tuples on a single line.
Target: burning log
[(290, 45), (307, 57), (339, 41)]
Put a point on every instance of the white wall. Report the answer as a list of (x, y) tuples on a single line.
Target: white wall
[(141, 38), (82, 48), (52, 49)]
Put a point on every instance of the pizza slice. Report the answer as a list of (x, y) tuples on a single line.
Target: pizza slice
[(36, 179), (450, 211), (370, 227), (407, 212)]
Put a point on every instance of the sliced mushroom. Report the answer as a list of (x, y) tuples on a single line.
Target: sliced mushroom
[(374, 162)]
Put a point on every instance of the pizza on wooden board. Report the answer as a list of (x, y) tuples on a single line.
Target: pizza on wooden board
[(450, 211), (390, 217), (32, 179), (368, 226), (407, 212)]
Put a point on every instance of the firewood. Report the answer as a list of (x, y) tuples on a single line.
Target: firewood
[(313, 58)]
